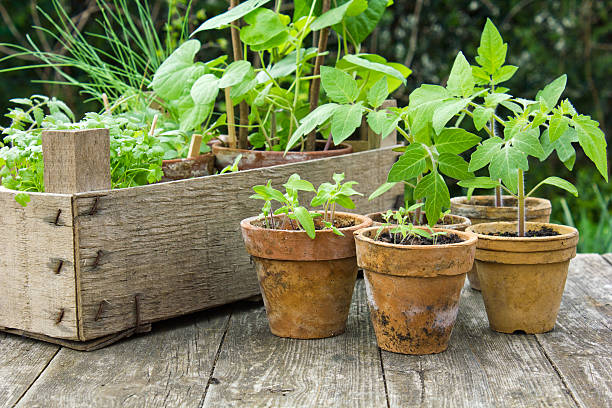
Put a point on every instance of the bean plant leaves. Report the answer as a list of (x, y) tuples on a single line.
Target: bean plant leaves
[(331, 17), (460, 81), (205, 90), (311, 121), (359, 27), (339, 86), (231, 15), (262, 25), (433, 189), (235, 73), (345, 120), (492, 50), (172, 75), (410, 164)]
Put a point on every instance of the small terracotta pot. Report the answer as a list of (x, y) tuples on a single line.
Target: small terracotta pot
[(180, 169), (307, 284), (414, 290), (481, 209), (522, 279), (450, 221), (255, 159)]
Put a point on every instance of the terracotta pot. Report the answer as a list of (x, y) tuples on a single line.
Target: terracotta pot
[(414, 290), (254, 159), (307, 284), (522, 279), (482, 209), (179, 169), (450, 221)]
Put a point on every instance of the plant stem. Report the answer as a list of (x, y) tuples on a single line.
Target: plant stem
[(244, 109), (315, 86), (499, 199), (521, 203), (418, 214), (230, 119)]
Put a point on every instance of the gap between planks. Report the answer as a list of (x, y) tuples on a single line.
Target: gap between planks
[(37, 377)]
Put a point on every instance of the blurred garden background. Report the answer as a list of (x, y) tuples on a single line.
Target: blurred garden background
[(546, 38)]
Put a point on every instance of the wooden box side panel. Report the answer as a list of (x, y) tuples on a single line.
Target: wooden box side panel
[(178, 245), (37, 274)]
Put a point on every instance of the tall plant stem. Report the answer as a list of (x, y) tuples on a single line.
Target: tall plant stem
[(499, 198), (521, 203), (230, 119), (315, 86), (244, 109)]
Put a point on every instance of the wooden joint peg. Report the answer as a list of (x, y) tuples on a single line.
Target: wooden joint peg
[(194, 147), (76, 160)]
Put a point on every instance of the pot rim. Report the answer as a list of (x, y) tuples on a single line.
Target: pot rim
[(534, 203), (247, 223), (573, 232), (342, 147), (465, 220), (469, 238), (203, 156)]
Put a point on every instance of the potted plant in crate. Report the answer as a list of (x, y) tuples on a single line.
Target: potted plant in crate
[(522, 266), (272, 91), (305, 261)]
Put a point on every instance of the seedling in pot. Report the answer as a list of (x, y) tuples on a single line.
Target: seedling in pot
[(328, 196)]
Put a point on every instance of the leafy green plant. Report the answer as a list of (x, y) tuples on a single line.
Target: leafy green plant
[(404, 229), (327, 196)]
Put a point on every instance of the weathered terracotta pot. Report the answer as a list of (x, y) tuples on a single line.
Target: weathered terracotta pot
[(306, 284), (179, 169), (254, 159), (522, 279), (450, 221), (482, 209), (414, 290)]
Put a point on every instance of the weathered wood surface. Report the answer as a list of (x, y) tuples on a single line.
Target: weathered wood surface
[(178, 245), (227, 357), (37, 277)]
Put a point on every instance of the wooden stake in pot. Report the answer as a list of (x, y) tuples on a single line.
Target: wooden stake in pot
[(244, 109)]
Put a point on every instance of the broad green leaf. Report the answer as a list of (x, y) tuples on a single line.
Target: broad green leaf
[(173, 74), (339, 86), (552, 92), (345, 120), (235, 73), (482, 116), (558, 126), (423, 102), (410, 164), (357, 7), (331, 17), (269, 193), (455, 140), (192, 115), (454, 166), (505, 164), (433, 189), (515, 108), (563, 146), (262, 25), (494, 99), (359, 27), (492, 50), (479, 182), (305, 220), (480, 75), (286, 66), (382, 123), (378, 93), (561, 183), (231, 15), (446, 111), (311, 121), (593, 142), (504, 73), (345, 202), (528, 142), (381, 190), (539, 118), (299, 185), (460, 81), (375, 66), (205, 90), (23, 199)]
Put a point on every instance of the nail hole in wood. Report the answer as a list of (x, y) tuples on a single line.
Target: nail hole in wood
[(60, 316)]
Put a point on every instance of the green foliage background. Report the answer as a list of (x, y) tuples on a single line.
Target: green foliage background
[(546, 38)]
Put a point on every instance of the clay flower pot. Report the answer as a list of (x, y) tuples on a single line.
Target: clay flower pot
[(450, 221), (254, 159), (414, 290), (522, 279), (306, 284), (481, 209), (179, 169)]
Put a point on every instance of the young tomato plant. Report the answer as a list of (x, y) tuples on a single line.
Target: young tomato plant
[(327, 196), (400, 221)]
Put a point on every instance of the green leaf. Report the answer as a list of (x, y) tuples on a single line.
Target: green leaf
[(173, 74), (551, 93), (205, 90), (263, 24), (482, 116), (515, 108), (410, 164), (345, 120), (21, 101), (23, 199), (480, 75), (446, 111), (433, 189), (561, 183), (305, 220), (235, 73), (492, 49), (494, 99), (382, 123), (299, 185), (455, 140), (558, 125), (563, 146), (504, 73), (454, 166), (460, 81), (479, 182), (593, 142), (345, 202), (505, 164), (359, 27), (378, 93), (339, 86), (375, 66), (231, 15), (528, 142), (331, 17), (381, 190), (311, 121)]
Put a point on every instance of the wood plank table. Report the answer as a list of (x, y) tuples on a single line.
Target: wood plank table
[(227, 358)]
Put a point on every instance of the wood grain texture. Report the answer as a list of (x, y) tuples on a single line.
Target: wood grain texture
[(168, 368), (257, 369), (179, 244), (481, 368), (579, 346), (76, 160), (21, 362), (36, 295)]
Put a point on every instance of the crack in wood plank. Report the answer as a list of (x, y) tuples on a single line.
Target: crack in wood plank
[(37, 377)]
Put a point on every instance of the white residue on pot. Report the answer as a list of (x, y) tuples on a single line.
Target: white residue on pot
[(371, 300), (446, 317)]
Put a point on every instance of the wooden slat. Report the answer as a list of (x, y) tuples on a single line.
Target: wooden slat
[(257, 369), (179, 244), (481, 368), (580, 344), (21, 362), (33, 296), (169, 367)]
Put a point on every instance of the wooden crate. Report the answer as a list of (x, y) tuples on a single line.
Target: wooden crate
[(85, 269)]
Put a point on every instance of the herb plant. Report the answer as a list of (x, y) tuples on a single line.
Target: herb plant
[(327, 196)]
